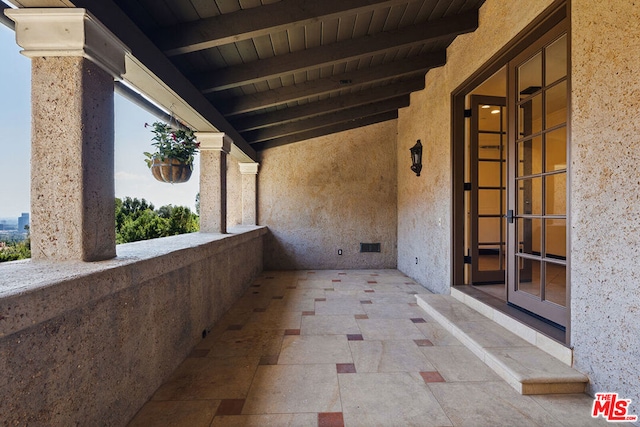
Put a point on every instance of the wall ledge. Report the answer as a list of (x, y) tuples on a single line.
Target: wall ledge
[(32, 292)]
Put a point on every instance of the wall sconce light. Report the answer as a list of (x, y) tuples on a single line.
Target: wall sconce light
[(416, 158)]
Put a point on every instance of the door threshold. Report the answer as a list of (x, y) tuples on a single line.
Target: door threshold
[(490, 305)]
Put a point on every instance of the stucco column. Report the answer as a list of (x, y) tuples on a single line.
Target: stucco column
[(249, 173), (214, 148), (74, 62)]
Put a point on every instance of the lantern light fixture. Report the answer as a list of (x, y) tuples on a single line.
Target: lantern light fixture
[(416, 158)]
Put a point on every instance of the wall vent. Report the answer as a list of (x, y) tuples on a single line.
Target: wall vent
[(369, 247)]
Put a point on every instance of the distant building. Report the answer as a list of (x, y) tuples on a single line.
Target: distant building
[(23, 221)]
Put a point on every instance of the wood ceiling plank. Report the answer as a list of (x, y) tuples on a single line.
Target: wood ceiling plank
[(329, 105), (339, 127), (313, 35), (377, 20), (330, 30), (338, 52), (296, 39), (324, 120), (246, 50), (183, 10), (248, 4), (205, 8), (418, 64), (248, 23), (263, 46), (395, 16), (361, 26), (345, 29), (280, 42), (410, 13), (426, 10)]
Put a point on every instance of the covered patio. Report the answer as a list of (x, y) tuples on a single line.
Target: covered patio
[(336, 279)]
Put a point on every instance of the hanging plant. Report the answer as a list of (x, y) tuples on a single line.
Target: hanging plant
[(175, 151)]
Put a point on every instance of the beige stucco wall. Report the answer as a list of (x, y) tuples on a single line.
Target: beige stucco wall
[(330, 193), (605, 196), (424, 203)]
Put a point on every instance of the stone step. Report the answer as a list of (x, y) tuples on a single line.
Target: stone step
[(523, 365)]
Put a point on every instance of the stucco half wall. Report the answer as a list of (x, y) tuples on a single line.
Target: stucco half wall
[(328, 194)]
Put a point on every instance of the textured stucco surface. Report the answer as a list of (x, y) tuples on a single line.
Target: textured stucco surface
[(605, 196), (213, 188), (72, 160), (234, 193), (249, 199), (330, 193), (88, 343), (424, 203)]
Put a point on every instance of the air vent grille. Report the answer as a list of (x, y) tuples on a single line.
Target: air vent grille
[(369, 247)]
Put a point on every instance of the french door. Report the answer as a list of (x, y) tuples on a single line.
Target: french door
[(488, 172), (537, 179)]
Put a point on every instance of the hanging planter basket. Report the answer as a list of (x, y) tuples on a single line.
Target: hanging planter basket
[(171, 170)]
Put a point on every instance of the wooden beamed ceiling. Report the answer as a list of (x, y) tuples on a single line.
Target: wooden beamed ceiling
[(282, 71)]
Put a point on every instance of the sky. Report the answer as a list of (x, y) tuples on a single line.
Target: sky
[(132, 176)]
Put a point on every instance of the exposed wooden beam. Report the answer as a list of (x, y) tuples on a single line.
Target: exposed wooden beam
[(336, 53), (346, 115), (339, 127), (406, 67), (330, 105), (155, 62), (257, 21)]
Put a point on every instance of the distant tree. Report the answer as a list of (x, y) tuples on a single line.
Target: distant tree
[(198, 204), (11, 250), (137, 220)]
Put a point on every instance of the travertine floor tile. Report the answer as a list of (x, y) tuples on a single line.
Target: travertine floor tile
[(329, 325), (389, 329), (437, 334), (308, 349), (197, 413), (572, 409), (490, 404), (275, 320), (209, 378), (339, 306), (284, 389), (389, 356), (456, 363), (247, 342), (394, 311), (279, 420), (389, 399)]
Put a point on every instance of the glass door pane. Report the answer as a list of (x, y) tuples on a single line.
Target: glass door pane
[(538, 253)]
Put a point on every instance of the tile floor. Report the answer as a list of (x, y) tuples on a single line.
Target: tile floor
[(342, 348)]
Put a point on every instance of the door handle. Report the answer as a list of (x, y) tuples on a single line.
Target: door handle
[(509, 216)]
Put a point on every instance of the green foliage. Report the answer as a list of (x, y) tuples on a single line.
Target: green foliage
[(13, 251), (172, 143), (137, 220)]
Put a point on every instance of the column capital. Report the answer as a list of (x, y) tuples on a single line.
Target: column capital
[(68, 32), (248, 168), (217, 141)]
